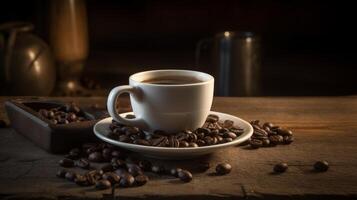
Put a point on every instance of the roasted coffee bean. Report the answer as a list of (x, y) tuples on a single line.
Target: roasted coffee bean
[(72, 108), (81, 180), (173, 142), (266, 142), (119, 154), (219, 139), (66, 162), (230, 134), (129, 130), (203, 166), (268, 124), (255, 143), (141, 180), (71, 117), (112, 177), (107, 168), (288, 139), (212, 118), (83, 163), (200, 142), (276, 139), (61, 173), (184, 175), (280, 168), (174, 171), (192, 144), (103, 184), (192, 137), (145, 165), (117, 163), (161, 141), (228, 123), (223, 168), (225, 140), (124, 138), (214, 132), (134, 169), (141, 142), (205, 131), (208, 140), (321, 166), (70, 176), (126, 180), (121, 172), (53, 121), (157, 169), (95, 157), (284, 132), (184, 144)]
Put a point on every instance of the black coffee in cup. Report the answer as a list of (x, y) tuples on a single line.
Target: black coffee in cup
[(172, 80)]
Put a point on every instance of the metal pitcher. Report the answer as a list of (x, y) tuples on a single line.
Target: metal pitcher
[(234, 60), (26, 63)]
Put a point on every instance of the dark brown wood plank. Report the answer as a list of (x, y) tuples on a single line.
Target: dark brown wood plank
[(325, 128)]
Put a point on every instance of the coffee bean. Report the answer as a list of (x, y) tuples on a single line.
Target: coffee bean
[(276, 139), (117, 163), (208, 140), (141, 180), (184, 144), (266, 142), (321, 166), (112, 177), (229, 134), (205, 131), (157, 169), (121, 172), (284, 132), (212, 118), (200, 142), (174, 171), (119, 154), (134, 170), (255, 143), (161, 141), (184, 175), (61, 173), (95, 157), (268, 124), (107, 168), (223, 168), (103, 184), (228, 123), (127, 180), (70, 176), (288, 139), (145, 165), (280, 168), (83, 163), (141, 142), (66, 162), (173, 142), (130, 116), (225, 140), (81, 180), (192, 144)]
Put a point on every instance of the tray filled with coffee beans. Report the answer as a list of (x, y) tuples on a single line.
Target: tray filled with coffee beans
[(219, 130), (52, 125)]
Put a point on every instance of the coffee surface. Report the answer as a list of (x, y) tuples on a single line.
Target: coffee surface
[(173, 80)]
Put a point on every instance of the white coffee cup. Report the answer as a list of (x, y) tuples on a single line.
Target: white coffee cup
[(170, 108)]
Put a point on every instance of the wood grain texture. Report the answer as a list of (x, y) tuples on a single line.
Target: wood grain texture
[(324, 128)]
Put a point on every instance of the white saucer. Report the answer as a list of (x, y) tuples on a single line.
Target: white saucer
[(101, 130)]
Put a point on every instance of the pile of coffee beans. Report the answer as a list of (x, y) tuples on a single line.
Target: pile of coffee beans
[(268, 135), (65, 114), (106, 166), (213, 132)]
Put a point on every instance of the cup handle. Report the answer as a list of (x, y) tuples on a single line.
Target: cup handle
[(111, 106)]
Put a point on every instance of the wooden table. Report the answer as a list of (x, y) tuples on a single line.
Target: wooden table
[(325, 128)]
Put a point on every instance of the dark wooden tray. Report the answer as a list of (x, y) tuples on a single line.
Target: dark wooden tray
[(54, 138)]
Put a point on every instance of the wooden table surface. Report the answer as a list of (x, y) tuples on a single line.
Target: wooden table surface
[(325, 128)]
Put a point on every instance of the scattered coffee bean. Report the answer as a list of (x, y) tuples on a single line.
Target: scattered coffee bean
[(61, 173), (174, 171), (81, 180), (103, 184), (112, 177), (184, 175), (83, 163), (95, 157), (141, 179), (280, 168), (134, 169), (223, 168), (321, 166), (66, 162), (117, 163), (288, 139), (70, 176), (126, 180)]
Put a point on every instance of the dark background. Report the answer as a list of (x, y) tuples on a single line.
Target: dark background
[(309, 47)]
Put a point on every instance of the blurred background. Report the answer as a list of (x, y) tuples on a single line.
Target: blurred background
[(253, 48)]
